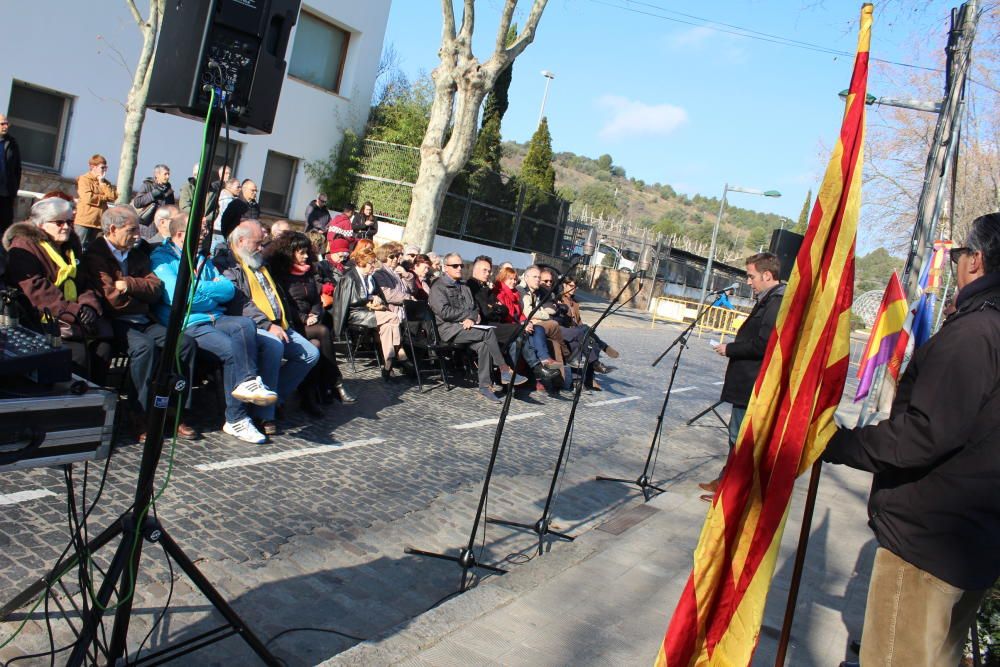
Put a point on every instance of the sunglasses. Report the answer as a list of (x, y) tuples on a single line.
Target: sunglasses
[(60, 223), (395, 256), (454, 266), (956, 253)]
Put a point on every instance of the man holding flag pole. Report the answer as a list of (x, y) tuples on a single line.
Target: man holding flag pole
[(935, 500)]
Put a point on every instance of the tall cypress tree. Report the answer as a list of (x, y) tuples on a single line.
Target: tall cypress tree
[(537, 169), (803, 223)]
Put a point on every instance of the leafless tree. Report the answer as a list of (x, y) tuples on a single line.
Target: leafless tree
[(461, 83), (135, 104)]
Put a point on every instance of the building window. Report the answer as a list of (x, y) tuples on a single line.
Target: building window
[(38, 120), (276, 186), (319, 53), (235, 152)]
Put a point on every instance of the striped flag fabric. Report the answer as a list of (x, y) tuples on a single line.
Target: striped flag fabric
[(886, 331), (919, 322), (789, 419)]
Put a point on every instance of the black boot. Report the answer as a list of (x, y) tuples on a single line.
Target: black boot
[(341, 392)]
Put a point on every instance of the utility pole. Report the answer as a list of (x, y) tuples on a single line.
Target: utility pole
[(940, 160)]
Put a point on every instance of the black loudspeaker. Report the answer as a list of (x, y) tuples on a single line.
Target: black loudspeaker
[(785, 245), (236, 46)]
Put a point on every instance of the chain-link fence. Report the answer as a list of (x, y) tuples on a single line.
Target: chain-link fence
[(482, 205)]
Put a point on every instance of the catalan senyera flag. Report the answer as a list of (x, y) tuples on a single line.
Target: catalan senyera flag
[(885, 332), (789, 419)]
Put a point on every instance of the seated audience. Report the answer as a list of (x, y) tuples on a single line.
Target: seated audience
[(42, 258), (233, 340), (501, 306), (292, 266), (258, 298), (421, 271), (457, 314), (574, 332), (128, 288), (391, 287), (356, 302), (532, 294)]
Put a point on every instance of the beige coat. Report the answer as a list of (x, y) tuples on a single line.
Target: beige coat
[(94, 196)]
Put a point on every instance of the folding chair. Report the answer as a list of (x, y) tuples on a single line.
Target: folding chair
[(420, 332)]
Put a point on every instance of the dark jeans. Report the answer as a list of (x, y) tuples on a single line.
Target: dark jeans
[(144, 343), (234, 341), (735, 420), (529, 350)]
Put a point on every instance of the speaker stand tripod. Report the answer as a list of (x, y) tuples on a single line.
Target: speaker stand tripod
[(542, 526), (643, 481), (136, 526)]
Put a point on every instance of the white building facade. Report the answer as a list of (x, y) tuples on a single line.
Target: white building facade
[(66, 68)]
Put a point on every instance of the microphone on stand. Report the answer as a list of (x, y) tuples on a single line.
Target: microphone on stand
[(717, 292)]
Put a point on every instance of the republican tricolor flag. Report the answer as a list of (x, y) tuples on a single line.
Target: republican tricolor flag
[(788, 422), (885, 333)]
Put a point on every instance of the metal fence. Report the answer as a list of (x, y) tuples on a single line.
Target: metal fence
[(482, 205)]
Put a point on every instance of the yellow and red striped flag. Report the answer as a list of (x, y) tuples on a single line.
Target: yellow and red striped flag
[(789, 419)]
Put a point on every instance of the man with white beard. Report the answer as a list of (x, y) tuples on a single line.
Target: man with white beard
[(257, 297)]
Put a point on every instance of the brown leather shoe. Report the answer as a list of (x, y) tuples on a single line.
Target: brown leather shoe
[(711, 487), (186, 432)]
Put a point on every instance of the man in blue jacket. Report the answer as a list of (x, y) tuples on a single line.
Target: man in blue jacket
[(232, 339)]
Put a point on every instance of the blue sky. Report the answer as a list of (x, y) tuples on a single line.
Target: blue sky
[(677, 102)]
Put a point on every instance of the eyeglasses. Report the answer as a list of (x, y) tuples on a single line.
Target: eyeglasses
[(547, 282), (454, 266), (60, 223), (395, 256), (956, 253)]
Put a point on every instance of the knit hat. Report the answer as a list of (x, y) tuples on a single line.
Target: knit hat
[(411, 250), (340, 244)]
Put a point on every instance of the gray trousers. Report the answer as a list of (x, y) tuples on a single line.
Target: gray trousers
[(485, 344)]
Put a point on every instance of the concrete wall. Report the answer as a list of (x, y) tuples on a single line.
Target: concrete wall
[(86, 51)]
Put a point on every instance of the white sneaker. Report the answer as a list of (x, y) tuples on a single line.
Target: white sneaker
[(245, 431), (254, 391)]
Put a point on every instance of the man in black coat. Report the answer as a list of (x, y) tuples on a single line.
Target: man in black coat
[(746, 352), (10, 174), (935, 500), (154, 192)]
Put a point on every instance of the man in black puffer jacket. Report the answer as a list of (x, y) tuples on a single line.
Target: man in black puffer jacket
[(935, 498), (746, 352)]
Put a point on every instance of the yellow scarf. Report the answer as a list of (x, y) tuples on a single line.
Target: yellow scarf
[(257, 293), (65, 271)]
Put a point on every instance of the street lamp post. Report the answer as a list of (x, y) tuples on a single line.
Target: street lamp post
[(715, 232), (548, 79)]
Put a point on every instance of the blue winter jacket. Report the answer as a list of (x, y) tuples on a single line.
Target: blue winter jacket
[(208, 300)]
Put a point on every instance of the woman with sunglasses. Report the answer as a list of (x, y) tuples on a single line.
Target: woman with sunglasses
[(43, 254)]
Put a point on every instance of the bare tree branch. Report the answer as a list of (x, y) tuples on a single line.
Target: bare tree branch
[(528, 34), (468, 23), (448, 24), (506, 18), (135, 13)]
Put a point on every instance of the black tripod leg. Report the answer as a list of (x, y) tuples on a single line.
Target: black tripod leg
[(32, 591), (89, 630), (205, 586)]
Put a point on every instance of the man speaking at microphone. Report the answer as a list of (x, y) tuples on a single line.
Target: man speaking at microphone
[(746, 352)]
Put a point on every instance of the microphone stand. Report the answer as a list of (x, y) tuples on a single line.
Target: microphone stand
[(541, 527), (643, 480), (466, 557)]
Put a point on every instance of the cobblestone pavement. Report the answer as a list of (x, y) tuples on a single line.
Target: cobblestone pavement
[(313, 536)]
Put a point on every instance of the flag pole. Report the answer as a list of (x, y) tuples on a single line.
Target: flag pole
[(800, 558)]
